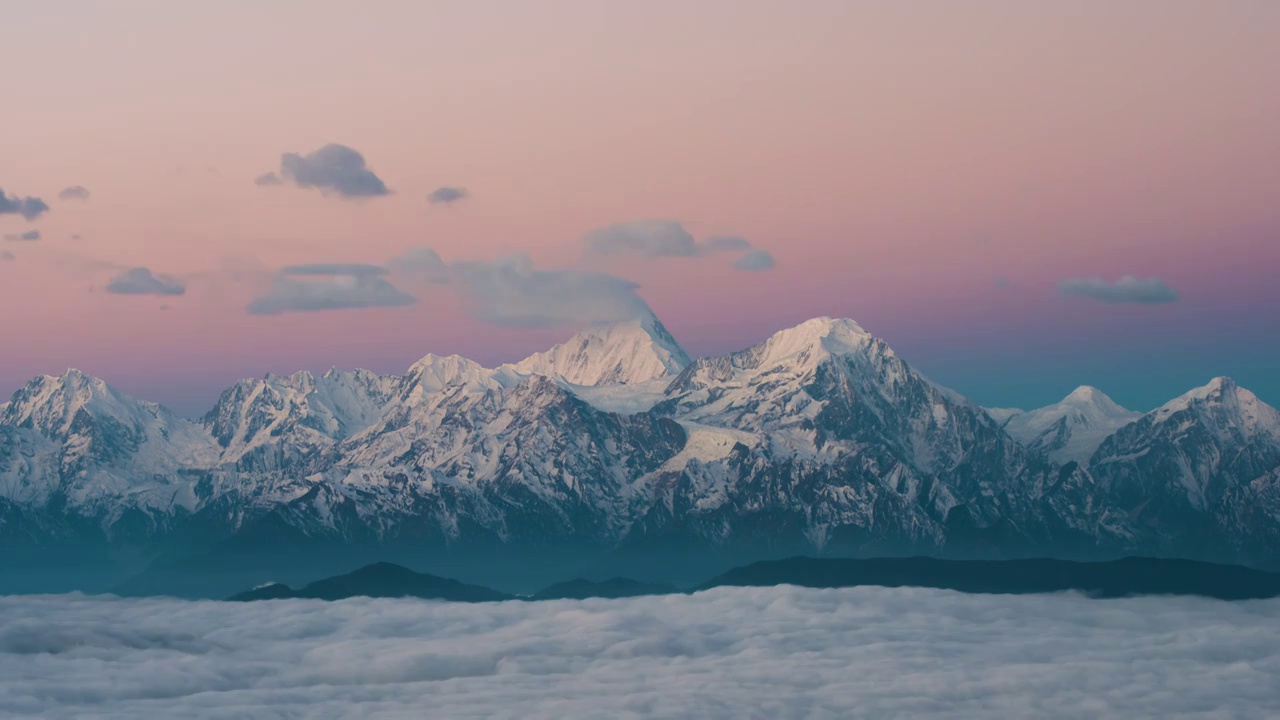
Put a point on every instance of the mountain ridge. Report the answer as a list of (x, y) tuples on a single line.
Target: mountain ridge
[(818, 438)]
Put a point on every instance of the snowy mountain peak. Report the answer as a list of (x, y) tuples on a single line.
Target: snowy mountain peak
[(1093, 401), (52, 404), (813, 340), (1072, 429), (1229, 404), (621, 353), (434, 373)]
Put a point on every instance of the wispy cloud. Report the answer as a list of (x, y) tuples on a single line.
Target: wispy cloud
[(1128, 289), (511, 291), (755, 261), (29, 236), (328, 286), (75, 192), (141, 281), (669, 239), (649, 238), (421, 263)]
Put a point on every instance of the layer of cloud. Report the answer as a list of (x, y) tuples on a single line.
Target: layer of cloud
[(755, 261), (781, 652), (1127, 289), (311, 289), (334, 169), (29, 208), (75, 192), (141, 281), (28, 236), (511, 291), (447, 195)]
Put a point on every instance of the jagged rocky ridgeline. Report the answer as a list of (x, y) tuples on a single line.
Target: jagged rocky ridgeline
[(616, 448)]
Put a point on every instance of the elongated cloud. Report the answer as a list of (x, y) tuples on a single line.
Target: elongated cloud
[(781, 652), (1127, 289), (334, 169), (141, 281), (319, 287), (669, 238), (650, 238), (447, 195), (7, 256), (28, 236), (29, 208), (75, 192), (511, 291)]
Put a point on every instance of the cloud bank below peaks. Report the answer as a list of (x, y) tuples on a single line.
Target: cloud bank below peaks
[(780, 652)]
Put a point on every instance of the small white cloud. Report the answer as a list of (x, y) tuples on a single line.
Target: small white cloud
[(447, 195)]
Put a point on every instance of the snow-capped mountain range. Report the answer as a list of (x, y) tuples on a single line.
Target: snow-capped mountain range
[(819, 439)]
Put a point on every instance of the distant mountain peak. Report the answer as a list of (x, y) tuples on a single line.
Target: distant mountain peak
[(1073, 428), (618, 353), (1087, 396)]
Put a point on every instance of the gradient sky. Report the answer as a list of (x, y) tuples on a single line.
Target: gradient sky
[(933, 170)]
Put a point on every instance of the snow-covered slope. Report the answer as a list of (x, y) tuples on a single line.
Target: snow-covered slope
[(1070, 430), (622, 353), (818, 438), (74, 440)]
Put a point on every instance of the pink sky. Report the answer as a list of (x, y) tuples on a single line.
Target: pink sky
[(895, 158)]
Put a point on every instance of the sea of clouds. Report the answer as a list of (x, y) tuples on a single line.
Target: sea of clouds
[(779, 652)]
